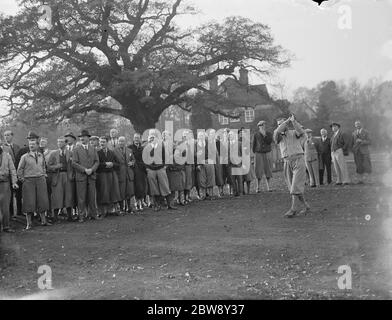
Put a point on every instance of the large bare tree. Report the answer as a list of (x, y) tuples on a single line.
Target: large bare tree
[(94, 52)]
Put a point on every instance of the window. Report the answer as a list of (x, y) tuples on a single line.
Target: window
[(223, 120), (249, 115), (235, 113)]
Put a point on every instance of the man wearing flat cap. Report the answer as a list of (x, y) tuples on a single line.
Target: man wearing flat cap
[(85, 162), (311, 159), (94, 141), (262, 149), (62, 180), (289, 141), (361, 142), (339, 148), (70, 140)]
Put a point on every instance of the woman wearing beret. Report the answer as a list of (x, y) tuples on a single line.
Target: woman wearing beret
[(108, 188)]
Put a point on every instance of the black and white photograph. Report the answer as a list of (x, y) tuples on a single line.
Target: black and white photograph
[(208, 151)]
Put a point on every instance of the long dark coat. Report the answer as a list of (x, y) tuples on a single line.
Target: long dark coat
[(108, 188), (140, 172), (126, 175)]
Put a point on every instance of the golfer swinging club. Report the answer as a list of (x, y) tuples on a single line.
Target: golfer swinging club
[(294, 163)]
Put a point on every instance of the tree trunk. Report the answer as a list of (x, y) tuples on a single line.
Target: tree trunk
[(142, 124), (142, 118)]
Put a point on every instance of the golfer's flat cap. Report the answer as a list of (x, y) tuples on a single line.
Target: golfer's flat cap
[(85, 133), (32, 135), (70, 134)]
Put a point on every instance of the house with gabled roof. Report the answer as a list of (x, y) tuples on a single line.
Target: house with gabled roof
[(248, 104)]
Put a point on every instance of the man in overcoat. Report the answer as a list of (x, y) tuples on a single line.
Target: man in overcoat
[(13, 149), (60, 168), (126, 175), (361, 142), (85, 162), (323, 146)]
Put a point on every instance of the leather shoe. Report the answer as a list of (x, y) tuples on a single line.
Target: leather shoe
[(290, 214)]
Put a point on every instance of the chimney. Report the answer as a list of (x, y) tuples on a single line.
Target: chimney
[(244, 80), (214, 84)]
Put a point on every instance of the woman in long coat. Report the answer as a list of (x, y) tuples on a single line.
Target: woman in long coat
[(189, 167), (125, 173), (206, 171), (220, 179), (140, 171), (262, 149), (250, 176), (176, 176), (108, 188)]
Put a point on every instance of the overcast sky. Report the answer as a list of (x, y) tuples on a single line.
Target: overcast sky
[(323, 50)]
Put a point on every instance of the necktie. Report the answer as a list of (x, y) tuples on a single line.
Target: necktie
[(12, 149), (36, 158)]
